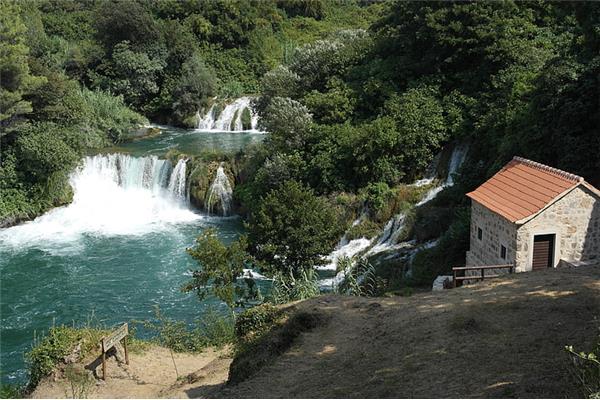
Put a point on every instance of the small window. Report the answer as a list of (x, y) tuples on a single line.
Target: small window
[(503, 252), (479, 234)]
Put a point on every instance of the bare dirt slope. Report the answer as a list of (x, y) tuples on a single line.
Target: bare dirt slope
[(500, 338)]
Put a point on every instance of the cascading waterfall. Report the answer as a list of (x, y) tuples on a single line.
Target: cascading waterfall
[(114, 194), (220, 193), (177, 181), (456, 159), (230, 119), (396, 223), (389, 239)]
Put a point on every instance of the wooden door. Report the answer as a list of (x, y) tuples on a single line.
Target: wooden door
[(543, 251)]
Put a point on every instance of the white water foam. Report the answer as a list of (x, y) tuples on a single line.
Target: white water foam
[(220, 191), (230, 119), (348, 250), (114, 194)]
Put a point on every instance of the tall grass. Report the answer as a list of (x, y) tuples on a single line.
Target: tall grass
[(359, 277), (290, 287)]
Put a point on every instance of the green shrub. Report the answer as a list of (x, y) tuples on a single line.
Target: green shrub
[(213, 329), (359, 278), (60, 341), (231, 89), (11, 391), (109, 115), (218, 329), (256, 321), (365, 229), (219, 267), (292, 228), (376, 196)]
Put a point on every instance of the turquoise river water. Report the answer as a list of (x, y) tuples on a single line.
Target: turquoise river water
[(115, 253)]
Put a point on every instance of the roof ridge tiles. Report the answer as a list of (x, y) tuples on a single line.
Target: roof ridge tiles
[(552, 170)]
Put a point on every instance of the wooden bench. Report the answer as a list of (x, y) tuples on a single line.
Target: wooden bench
[(480, 277), (110, 341)]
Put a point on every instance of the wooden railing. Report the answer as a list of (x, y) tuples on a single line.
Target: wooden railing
[(481, 268)]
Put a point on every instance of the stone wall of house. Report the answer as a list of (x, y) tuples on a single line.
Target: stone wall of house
[(574, 219), (497, 231)]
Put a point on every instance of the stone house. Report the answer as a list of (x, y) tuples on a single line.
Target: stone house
[(534, 216)]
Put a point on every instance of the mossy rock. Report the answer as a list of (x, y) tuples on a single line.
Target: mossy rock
[(190, 121), (232, 123), (246, 119), (142, 132), (174, 155), (201, 177), (199, 180)]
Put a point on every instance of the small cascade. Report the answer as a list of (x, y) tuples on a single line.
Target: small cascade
[(207, 121), (230, 119), (220, 192), (177, 182), (342, 250), (390, 237), (456, 159)]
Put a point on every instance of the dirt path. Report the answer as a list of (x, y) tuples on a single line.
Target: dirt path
[(150, 375)]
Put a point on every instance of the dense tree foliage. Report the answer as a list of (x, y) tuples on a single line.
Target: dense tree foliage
[(77, 69), (220, 268), (146, 51), (48, 120), (292, 229), (362, 110)]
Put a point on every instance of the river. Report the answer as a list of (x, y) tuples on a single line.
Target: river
[(113, 254)]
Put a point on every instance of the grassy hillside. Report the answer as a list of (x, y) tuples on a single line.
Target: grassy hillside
[(501, 338)]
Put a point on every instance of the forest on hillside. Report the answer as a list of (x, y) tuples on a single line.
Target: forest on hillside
[(357, 99)]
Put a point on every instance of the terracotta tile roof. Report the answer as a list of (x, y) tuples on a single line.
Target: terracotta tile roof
[(523, 187)]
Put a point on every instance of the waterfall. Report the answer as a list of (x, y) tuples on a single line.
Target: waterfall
[(114, 194), (206, 122), (220, 192), (390, 237), (458, 156), (177, 184), (230, 119)]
